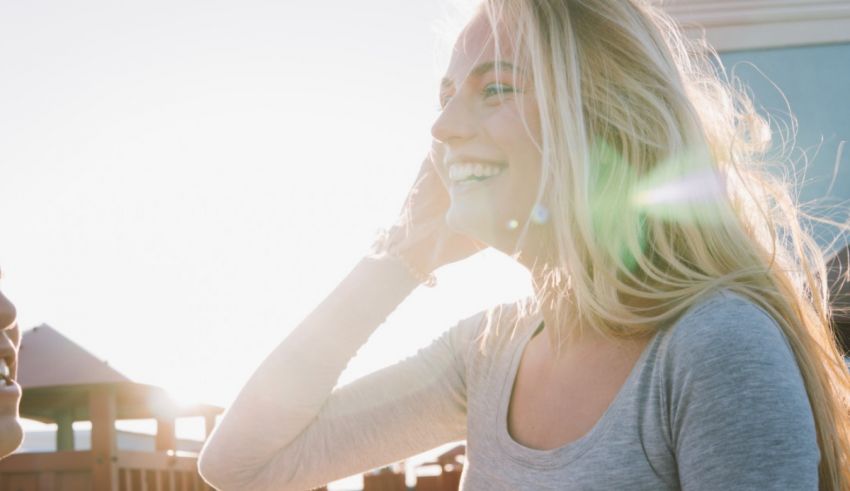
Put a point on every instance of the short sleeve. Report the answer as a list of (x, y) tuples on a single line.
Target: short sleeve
[(739, 415)]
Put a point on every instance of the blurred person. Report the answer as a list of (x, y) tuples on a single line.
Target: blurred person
[(11, 433), (678, 335)]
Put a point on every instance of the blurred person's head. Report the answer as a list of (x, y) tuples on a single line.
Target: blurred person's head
[(11, 433)]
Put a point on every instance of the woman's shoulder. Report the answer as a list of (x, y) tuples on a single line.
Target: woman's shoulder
[(726, 332), (729, 380), (494, 329), (723, 317)]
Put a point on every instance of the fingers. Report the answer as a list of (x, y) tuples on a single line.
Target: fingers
[(437, 158)]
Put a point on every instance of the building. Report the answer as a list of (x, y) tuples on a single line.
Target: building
[(63, 383)]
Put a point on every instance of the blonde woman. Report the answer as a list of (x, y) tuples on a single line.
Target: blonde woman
[(679, 332), (11, 433)]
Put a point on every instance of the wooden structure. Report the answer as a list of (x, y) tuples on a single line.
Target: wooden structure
[(384, 479), (449, 466), (63, 383)]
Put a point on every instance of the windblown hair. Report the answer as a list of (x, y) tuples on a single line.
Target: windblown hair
[(659, 188)]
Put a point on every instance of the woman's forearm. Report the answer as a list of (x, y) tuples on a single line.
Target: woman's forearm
[(288, 389)]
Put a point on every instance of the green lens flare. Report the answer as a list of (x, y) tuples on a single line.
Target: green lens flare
[(682, 189)]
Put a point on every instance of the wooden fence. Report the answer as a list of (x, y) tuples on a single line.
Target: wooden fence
[(75, 471)]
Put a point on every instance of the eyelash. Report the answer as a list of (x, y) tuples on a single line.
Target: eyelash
[(504, 89)]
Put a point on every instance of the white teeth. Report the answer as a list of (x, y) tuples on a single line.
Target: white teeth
[(4, 369), (461, 172)]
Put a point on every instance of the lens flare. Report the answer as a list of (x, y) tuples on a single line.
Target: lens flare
[(697, 187), (681, 189)]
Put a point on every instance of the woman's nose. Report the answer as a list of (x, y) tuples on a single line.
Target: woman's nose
[(8, 314), (455, 122)]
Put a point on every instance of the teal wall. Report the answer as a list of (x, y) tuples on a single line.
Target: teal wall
[(816, 82)]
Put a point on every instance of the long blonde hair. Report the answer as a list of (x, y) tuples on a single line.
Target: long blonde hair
[(658, 184)]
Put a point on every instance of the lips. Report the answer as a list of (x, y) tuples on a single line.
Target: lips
[(463, 171), (471, 184), (6, 372)]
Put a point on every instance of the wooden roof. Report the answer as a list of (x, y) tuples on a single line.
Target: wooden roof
[(57, 376), (49, 359)]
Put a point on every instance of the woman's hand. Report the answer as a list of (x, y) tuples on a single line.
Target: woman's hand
[(420, 234)]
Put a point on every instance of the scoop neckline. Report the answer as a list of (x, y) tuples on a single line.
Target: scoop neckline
[(562, 455)]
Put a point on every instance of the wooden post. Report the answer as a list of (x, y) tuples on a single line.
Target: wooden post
[(104, 446), (165, 436), (64, 432)]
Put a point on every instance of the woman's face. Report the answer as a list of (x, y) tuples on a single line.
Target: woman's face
[(11, 433), (477, 126)]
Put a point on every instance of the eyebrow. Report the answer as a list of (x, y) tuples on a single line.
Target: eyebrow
[(481, 70)]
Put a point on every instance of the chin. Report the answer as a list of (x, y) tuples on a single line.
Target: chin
[(477, 224), (11, 434), (489, 229)]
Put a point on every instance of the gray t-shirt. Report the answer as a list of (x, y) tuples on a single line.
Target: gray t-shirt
[(716, 402)]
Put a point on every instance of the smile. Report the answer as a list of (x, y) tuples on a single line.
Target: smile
[(474, 171)]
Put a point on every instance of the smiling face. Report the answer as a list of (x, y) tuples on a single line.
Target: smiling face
[(490, 127), (11, 432)]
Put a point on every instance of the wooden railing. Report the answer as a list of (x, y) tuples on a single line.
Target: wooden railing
[(72, 471), (160, 471)]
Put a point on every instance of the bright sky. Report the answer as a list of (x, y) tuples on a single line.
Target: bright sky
[(181, 183)]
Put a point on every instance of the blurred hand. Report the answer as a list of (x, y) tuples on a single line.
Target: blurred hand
[(420, 234)]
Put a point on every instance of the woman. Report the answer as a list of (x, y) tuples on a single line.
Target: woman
[(684, 328), (11, 433)]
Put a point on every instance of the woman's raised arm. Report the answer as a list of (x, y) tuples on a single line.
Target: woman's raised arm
[(288, 430), (254, 446)]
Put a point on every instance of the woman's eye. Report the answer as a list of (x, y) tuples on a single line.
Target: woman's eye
[(489, 90), (494, 89)]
